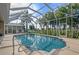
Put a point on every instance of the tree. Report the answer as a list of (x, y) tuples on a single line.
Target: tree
[(25, 19)]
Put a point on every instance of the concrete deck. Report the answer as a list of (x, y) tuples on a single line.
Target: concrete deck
[(72, 47)]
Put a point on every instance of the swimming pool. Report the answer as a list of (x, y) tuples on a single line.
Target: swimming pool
[(40, 42)]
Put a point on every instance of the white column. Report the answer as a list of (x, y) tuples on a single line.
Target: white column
[(7, 29), (16, 29), (22, 29), (12, 29), (51, 28), (4, 28), (36, 28)]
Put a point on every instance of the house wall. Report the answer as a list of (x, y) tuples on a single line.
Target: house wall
[(4, 13), (1, 25), (12, 29)]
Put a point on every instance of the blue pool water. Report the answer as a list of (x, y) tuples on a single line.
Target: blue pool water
[(39, 42)]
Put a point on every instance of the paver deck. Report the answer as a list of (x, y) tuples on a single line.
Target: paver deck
[(72, 47)]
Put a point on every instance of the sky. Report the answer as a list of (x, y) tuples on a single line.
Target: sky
[(35, 6)]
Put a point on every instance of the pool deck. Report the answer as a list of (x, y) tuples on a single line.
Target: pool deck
[(72, 47)]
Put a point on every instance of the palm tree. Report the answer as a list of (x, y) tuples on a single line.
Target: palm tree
[(25, 19)]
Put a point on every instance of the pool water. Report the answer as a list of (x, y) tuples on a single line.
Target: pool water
[(39, 42)]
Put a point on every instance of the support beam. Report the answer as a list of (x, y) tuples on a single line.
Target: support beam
[(35, 11), (66, 25), (39, 9), (20, 8), (62, 17), (53, 13), (71, 21), (59, 27), (21, 12)]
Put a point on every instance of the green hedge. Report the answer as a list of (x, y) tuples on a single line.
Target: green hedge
[(54, 32)]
